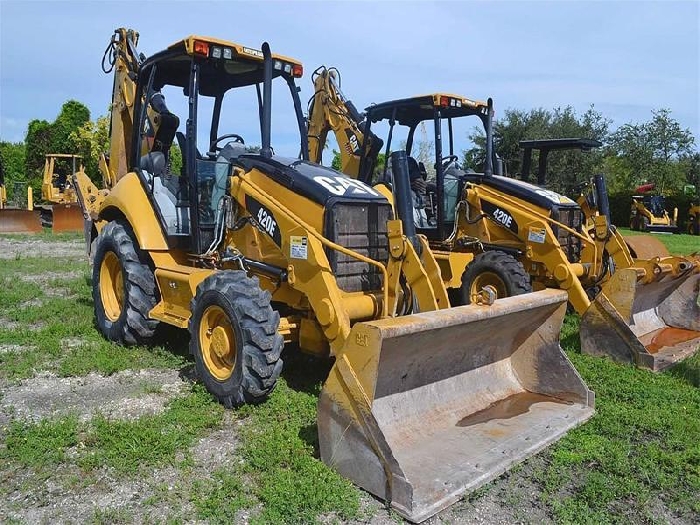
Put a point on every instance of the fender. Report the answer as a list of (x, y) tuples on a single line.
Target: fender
[(130, 199)]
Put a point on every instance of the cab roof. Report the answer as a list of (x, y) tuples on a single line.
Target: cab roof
[(239, 51), (218, 72), (410, 111)]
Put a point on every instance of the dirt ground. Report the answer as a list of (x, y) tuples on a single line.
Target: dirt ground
[(68, 495)]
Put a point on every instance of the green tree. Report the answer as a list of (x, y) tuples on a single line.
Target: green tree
[(12, 155), (38, 144), (566, 168), (658, 151), (91, 140), (73, 115)]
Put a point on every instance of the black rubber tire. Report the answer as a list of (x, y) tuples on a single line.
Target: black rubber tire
[(255, 327), (634, 223), (694, 227), (510, 271), (645, 224), (140, 293)]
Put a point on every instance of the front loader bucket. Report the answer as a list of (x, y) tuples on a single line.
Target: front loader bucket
[(67, 218), (421, 409), (652, 325), (19, 221)]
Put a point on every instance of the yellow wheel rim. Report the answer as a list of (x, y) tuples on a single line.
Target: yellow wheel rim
[(217, 342), (112, 286), (487, 279)]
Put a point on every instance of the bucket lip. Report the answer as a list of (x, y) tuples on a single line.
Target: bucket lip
[(461, 314), (419, 512)]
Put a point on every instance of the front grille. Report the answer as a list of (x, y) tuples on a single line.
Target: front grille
[(361, 228), (571, 217)]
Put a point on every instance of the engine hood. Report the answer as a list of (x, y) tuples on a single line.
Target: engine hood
[(313, 181)]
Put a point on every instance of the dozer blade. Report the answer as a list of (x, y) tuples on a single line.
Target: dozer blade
[(19, 221), (67, 218), (645, 247), (421, 409), (652, 325)]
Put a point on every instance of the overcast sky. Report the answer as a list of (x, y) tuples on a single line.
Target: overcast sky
[(626, 58)]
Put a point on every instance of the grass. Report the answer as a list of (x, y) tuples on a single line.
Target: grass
[(677, 244), (46, 234), (640, 453), (42, 444), (642, 447), (154, 440)]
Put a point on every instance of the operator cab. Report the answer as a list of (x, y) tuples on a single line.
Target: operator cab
[(205, 81), (444, 176)]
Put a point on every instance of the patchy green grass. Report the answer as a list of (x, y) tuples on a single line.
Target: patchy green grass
[(641, 448), (45, 235), (279, 444), (127, 446), (40, 444), (637, 460), (50, 316), (677, 244), (219, 499)]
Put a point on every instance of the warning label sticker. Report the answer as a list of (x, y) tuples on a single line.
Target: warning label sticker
[(298, 247), (537, 235)]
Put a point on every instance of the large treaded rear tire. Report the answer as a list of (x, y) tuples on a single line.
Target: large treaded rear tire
[(132, 325), (231, 310), (511, 277)]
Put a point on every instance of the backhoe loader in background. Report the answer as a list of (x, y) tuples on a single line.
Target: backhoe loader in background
[(250, 251), (63, 212), (489, 230), (14, 218), (648, 213)]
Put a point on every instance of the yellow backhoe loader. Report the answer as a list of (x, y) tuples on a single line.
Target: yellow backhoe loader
[(487, 229), (14, 218), (253, 250), (63, 212)]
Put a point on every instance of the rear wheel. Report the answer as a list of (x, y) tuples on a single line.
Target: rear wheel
[(123, 287), (234, 338), (694, 226), (497, 269)]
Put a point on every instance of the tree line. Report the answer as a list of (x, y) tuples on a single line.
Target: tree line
[(658, 151)]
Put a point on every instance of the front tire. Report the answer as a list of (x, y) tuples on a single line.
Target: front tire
[(234, 338), (123, 287), (494, 268)]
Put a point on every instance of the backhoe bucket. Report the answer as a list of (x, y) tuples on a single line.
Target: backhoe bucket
[(653, 325), (421, 409), (19, 221), (67, 218)]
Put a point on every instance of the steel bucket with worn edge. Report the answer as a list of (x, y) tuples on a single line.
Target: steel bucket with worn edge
[(421, 409)]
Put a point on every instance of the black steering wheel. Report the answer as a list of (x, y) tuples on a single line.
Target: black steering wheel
[(448, 161), (236, 138)]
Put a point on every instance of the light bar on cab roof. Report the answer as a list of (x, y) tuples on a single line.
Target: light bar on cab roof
[(446, 102), (219, 52)]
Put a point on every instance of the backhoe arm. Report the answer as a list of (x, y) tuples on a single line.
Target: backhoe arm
[(329, 110), (122, 58)]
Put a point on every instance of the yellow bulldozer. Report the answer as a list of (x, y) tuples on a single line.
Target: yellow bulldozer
[(489, 230), (16, 217), (249, 250), (63, 212)]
